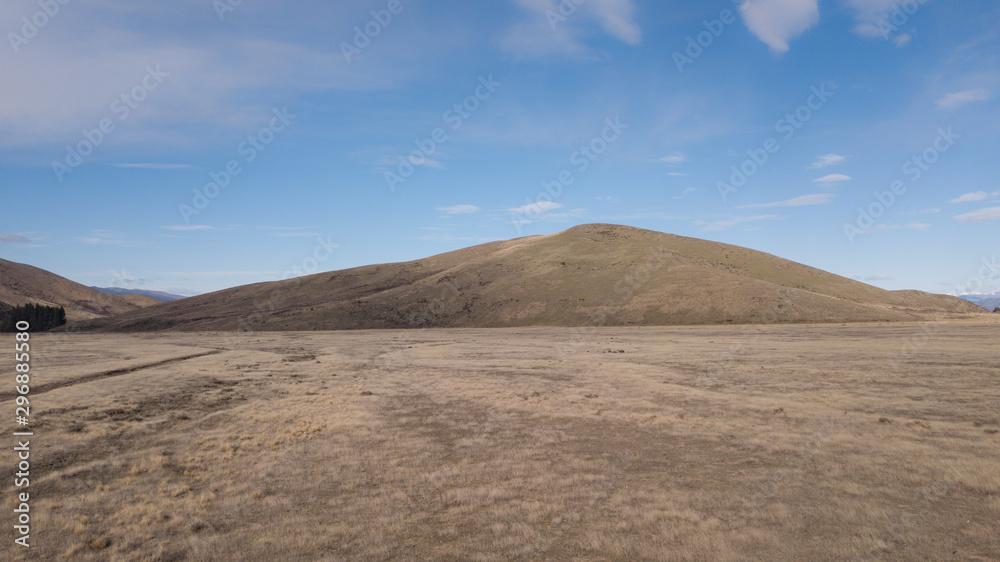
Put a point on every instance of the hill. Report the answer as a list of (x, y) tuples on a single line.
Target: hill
[(589, 275), (21, 284), (156, 295)]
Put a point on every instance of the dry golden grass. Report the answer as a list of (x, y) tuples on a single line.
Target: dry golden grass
[(698, 443)]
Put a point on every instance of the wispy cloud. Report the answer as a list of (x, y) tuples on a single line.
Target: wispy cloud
[(726, 224), (827, 160), (870, 278), (548, 31), (982, 215), (415, 160), (956, 99), (13, 239), (931, 211), (776, 22), (873, 17), (536, 208), (884, 227), (686, 192), (301, 234), (459, 209), (832, 178), (673, 159), (801, 201), (109, 238), (974, 196), (155, 166), (902, 40), (188, 227)]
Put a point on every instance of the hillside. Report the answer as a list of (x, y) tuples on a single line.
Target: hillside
[(588, 275), (21, 284)]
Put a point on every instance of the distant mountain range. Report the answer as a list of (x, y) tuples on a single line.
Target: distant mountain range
[(589, 275), (158, 295), (21, 284), (989, 302)]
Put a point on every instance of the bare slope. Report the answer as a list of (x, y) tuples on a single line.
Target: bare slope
[(588, 275), (21, 284)]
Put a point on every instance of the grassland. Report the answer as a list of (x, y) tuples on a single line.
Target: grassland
[(804, 442)]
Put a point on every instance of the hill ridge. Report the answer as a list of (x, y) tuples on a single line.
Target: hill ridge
[(619, 274)]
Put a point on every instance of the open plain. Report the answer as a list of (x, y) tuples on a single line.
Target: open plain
[(771, 442)]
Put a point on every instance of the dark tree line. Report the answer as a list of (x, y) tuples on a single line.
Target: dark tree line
[(38, 316)]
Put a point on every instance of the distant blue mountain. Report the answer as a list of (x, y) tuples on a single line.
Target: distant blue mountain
[(989, 302), (158, 295)]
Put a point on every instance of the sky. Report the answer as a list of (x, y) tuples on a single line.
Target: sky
[(195, 145)]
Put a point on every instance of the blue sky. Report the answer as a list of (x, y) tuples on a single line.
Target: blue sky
[(195, 145)]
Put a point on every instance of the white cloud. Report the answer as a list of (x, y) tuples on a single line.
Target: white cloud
[(459, 209), (827, 160), (723, 225), (536, 208), (871, 277), (300, 235), (974, 196), (155, 166), (12, 239), (677, 174), (215, 80), (427, 162), (832, 178), (875, 19), (982, 215), (188, 227), (674, 159), (550, 29), (955, 99), (802, 201), (921, 212), (615, 17), (687, 192), (776, 22), (882, 227), (109, 238)]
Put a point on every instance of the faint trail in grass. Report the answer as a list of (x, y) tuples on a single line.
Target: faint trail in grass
[(104, 374)]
